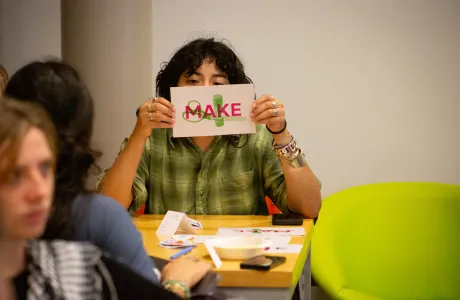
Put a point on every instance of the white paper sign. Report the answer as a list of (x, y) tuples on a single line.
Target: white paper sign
[(213, 110), (173, 222)]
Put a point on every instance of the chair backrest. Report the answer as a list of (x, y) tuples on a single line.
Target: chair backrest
[(272, 208), (141, 210), (389, 241)]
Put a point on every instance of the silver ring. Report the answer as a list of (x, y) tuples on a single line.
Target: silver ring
[(274, 104), (149, 108), (275, 112), (150, 116)]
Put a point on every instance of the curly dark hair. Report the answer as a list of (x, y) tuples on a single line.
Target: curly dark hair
[(59, 89), (190, 57)]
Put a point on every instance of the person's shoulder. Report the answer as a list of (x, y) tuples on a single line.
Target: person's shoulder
[(98, 203), (94, 218)]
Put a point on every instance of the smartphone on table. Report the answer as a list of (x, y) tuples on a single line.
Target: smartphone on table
[(287, 219), (263, 262)]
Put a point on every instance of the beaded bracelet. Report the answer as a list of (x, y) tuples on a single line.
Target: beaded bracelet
[(173, 285)]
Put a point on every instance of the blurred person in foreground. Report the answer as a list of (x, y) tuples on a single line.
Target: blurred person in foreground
[(33, 269)]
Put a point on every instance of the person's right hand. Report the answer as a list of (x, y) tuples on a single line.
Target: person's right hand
[(155, 113)]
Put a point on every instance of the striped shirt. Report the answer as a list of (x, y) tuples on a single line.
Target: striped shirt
[(226, 179)]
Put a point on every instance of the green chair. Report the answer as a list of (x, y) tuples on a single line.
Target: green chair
[(389, 241)]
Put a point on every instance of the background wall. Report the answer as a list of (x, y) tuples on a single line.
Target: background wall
[(371, 87), (110, 44), (29, 30)]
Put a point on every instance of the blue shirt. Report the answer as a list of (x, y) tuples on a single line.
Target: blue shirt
[(106, 224)]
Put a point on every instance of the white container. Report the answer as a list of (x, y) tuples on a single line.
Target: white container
[(239, 248)]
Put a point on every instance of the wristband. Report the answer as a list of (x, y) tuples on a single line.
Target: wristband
[(278, 132), (174, 285)]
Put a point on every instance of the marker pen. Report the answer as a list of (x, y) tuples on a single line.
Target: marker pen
[(182, 252)]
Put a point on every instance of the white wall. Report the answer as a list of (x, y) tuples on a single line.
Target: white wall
[(29, 30), (109, 43), (371, 87)]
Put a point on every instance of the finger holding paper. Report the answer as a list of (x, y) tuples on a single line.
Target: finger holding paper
[(269, 111), (155, 113)]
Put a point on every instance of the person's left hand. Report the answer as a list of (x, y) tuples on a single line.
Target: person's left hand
[(188, 269), (269, 111)]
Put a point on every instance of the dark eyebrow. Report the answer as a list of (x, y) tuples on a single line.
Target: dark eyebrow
[(46, 161), (217, 75)]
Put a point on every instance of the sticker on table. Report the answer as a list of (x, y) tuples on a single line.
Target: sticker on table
[(291, 248), (174, 243), (266, 231), (213, 110)]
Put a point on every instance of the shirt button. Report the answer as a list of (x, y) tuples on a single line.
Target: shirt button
[(201, 192)]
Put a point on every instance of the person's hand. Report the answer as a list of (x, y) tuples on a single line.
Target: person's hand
[(188, 269), (269, 111), (155, 113)]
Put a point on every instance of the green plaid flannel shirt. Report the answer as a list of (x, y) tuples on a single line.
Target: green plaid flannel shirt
[(175, 174)]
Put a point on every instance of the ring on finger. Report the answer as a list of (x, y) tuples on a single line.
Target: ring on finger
[(274, 104), (149, 108), (150, 116), (275, 112)]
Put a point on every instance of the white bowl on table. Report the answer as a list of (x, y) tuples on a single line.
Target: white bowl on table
[(239, 248)]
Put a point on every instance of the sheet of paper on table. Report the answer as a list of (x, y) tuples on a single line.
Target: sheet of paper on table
[(276, 240), (291, 248), (199, 239), (264, 231)]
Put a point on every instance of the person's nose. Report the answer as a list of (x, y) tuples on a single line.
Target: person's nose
[(207, 82), (38, 187)]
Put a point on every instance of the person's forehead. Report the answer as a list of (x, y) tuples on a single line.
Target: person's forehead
[(34, 148)]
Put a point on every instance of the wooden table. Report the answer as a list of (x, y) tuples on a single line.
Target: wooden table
[(283, 278)]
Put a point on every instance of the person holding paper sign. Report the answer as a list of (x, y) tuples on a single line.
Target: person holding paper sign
[(228, 174)]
